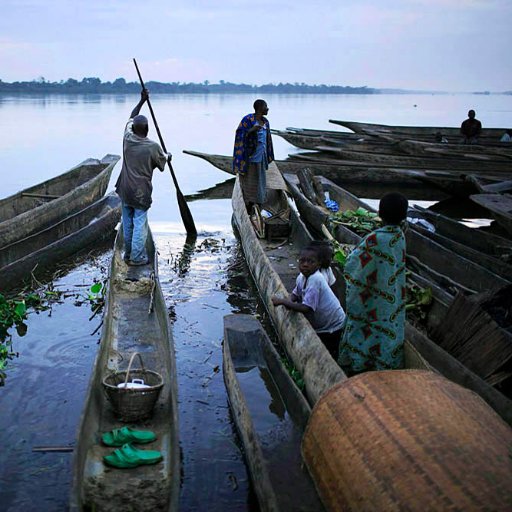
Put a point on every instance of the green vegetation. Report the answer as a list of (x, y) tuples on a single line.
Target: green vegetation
[(294, 373), (418, 300), (93, 85), (361, 220), (14, 312)]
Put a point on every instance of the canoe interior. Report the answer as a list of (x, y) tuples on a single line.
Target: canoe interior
[(500, 205), (54, 233), (74, 190), (371, 183), (129, 327), (420, 351), (273, 265), (477, 239), (442, 262), (392, 159), (26, 200), (39, 253), (270, 413)]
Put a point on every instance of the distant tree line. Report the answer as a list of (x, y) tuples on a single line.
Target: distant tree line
[(121, 86)]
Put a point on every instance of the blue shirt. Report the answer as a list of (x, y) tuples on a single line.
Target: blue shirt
[(261, 149)]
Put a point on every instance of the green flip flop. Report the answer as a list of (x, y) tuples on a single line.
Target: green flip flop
[(123, 435), (130, 457)]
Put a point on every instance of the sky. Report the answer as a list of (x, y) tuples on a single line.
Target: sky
[(446, 45)]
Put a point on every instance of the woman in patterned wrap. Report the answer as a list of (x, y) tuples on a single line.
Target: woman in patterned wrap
[(375, 305), (252, 153)]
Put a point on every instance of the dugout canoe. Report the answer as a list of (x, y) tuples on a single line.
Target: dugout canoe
[(463, 163), (347, 172), (315, 218), (500, 205), (430, 352), (485, 186), (135, 319), (270, 414), (413, 132), (274, 270), (447, 266), (359, 178), (310, 140), (38, 207), (38, 252), (476, 239), (476, 151), (460, 185)]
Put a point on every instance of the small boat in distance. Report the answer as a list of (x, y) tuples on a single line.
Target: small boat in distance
[(38, 207)]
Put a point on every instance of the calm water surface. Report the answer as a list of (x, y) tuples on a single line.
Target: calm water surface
[(43, 396)]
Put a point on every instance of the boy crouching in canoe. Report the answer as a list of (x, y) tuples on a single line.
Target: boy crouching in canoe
[(313, 296)]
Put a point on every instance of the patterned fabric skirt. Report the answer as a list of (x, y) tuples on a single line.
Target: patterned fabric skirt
[(254, 183)]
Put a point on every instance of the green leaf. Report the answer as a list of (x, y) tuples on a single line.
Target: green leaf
[(340, 257), (20, 309), (96, 288)]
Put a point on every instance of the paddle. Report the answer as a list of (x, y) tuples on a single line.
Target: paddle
[(186, 216)]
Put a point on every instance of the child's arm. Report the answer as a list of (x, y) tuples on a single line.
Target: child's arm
[(291, 303)]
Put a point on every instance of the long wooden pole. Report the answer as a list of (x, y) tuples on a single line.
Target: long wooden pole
[(186, 216)]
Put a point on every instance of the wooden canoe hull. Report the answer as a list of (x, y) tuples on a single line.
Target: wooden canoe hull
[(412, 132), (25, 213), (462, 163), (75, 232), (366, 182), (430, 352), (471, 275), (500, 205), (271, 440), (477, 239), (299, 339), (272, 272), (128, 327), (487, 152)]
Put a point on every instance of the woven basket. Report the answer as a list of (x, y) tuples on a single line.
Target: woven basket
[(408, 440), (133, 404)]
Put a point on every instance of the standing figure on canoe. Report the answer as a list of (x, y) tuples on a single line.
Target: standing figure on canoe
[(140, 157), (375, 299), (471, 129), (252, 153)]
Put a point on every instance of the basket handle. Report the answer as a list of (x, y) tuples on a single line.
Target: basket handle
[(130, 366)]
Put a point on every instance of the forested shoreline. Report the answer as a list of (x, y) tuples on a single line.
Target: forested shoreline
[(121, 86)]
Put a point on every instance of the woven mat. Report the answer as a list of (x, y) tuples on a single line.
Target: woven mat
[(408, 440)]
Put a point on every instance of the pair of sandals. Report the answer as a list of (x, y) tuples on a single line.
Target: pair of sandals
[(127, 456)]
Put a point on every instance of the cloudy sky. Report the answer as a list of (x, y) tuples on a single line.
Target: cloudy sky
[(451, 45)]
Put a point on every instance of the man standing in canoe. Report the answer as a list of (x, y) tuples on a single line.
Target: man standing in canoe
[(471, 129), (140, 157), (252, 153), (375, 297)]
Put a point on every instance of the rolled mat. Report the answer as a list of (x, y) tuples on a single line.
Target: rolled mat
[(408, 440)]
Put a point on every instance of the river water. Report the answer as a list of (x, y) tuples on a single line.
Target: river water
[(41, 401)]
